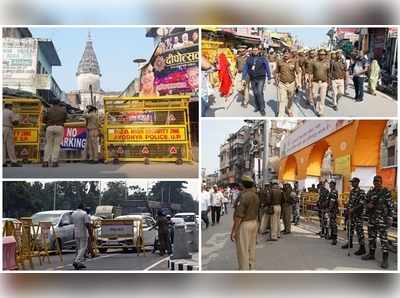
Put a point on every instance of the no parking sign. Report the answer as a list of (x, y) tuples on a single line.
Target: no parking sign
[(74, 138)]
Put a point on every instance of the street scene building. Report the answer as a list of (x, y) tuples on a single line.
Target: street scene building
[(308, 162), (100, 225), (333, 71), (146, 128)]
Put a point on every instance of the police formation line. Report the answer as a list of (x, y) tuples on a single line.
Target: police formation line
[(54, 118), (256, 210)]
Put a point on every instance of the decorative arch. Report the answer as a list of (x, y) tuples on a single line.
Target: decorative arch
[(290, 169), (315, 158)]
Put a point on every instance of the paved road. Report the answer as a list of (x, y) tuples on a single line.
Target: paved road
[(113, 260), (123, 170), (381, 105), (300, 250)]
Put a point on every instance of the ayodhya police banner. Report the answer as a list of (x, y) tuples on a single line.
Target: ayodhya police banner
[(173, 68), (74, 138)]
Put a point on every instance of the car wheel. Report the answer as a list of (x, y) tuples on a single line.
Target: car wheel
[(102, 250)]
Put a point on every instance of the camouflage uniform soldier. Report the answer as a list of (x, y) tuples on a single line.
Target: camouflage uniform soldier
[(333, 210), (322, 205), (380, 211), (355, 210)]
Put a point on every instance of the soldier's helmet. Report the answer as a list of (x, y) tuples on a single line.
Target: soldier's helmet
[(355, 179)]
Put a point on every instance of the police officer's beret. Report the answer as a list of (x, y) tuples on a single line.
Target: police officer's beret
[(246, 178), (355, 179)]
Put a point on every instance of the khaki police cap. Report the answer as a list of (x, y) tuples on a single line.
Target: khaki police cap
[(321, 51), (246, 178)]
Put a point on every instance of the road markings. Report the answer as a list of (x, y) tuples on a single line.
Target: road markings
[(156, 263)]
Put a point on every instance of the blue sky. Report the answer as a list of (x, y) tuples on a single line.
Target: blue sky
[(213, 134), (311, 37), (115, 50)]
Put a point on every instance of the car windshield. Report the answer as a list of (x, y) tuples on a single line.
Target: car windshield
[(53, 218), (187, 218)]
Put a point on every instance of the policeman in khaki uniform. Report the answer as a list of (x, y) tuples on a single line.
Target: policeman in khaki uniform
[(54, 118), (338, 75), (92, 125), (380, 212), (320, 80), (308, 75), (300, 74), (285, 78), (9, 120), (244, 229)]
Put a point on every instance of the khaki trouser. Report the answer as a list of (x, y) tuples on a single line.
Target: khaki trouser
[(8, 145), (265, 222), (287, 217), (93, 144), (299, 79), (319, 88), (308, 87), (81, 246), (246, 245), (54, 136), (338, 89), (285, 97), (276, 222)]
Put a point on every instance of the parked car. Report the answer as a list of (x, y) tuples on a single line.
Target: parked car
[(149, 235), (178, 220), (63, 226), (188, 217)]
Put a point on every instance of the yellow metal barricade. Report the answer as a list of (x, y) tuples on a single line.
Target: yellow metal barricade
[(28, 130), (154, 128)]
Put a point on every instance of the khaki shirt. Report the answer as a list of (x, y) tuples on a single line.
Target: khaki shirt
[(308, 65), (91, 120), (320, 71), (9, 117), (287, 70), (338, 70), (301, 61), (56, 116), (247, 206)]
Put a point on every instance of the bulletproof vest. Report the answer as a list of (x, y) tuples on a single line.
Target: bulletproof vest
[(379, 199)]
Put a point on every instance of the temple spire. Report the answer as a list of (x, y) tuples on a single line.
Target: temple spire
[(88, 62)]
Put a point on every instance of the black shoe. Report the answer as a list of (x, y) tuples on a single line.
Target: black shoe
[(45, 164), (256, 110), (335, 108), (75, 264), (262, 113), (385, 260), (5, 165), (361, 251), (370, 256), (345, 246), (15, 165), (81, 266), (334, 241), (319, 233)]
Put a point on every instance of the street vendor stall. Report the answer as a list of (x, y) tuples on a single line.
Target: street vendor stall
[(29, 128), (156, 128)]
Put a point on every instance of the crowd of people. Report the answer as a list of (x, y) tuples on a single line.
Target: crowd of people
[(260, 211), (300, 75)]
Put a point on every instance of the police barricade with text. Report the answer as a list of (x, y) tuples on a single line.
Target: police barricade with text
[(125, 234), (147, 128), (29, 128), (308, 205)]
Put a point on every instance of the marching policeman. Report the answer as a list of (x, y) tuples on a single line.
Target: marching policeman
[(92, 125), (355, 210), (380, 211), (320, 81), (244, 229), (322, 205), (333, 208)]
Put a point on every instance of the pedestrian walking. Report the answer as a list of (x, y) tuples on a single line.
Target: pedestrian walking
[(355, 210), (10, 119), (225, 201), (244, 229), (256, 69), (374, 75), (206, 69), (359, 69), (320, 81), (380, 212), (92, 126), (216, 205), (54, 118), (338, 75), (276, 203), (287, 205), (81, 222), (224, 75), (333, 209), (205, 204), (285, 75)]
